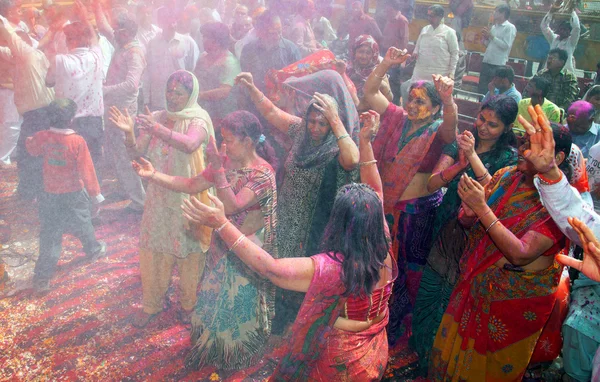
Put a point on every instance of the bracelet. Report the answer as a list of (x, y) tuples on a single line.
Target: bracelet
[(484, 215), (360, 164), (378, 76), (223, 186), (482, 177), (153, 172), (222, 226), (549, 182), (342, 137), (443, 178), (491, 225), (262, 98), (237, 242)]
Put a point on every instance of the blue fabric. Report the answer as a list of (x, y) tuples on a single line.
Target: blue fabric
[(512, 92)]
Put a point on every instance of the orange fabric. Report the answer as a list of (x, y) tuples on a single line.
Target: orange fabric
[(68, 165)]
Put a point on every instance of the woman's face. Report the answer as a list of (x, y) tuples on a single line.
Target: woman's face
[(177, 96), (363, 55), (318, 126), (235, 146), (595, 100), (524, 165), (419, 107), (489, 126)]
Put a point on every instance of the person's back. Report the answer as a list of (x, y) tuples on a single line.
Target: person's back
[(69, 183)]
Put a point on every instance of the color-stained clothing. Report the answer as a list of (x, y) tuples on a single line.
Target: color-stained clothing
[(569, 44), (257, 60), (213, 74), (499, 320), (231, 322), (449, 239), (317, 350), (437, 51), (68, 164), (511, 92)]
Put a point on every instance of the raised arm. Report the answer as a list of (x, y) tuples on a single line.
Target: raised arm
[(369, 173), (377, 101), (274, 115), (575, 29), (292, 273), (448, 128), (348, 156), (103, 23), (82, 12)]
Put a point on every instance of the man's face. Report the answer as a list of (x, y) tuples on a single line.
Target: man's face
[(433, 18), (240, 12), (357, 10), (578, 119), (501, 84), (498, 17), (554, 62), (270, 35)]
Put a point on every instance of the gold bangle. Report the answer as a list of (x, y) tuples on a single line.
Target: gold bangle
[(237, 242), (222, 226), (491, 225), (367, 163)]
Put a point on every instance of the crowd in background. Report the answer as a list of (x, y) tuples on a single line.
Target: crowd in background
[(308, 177)]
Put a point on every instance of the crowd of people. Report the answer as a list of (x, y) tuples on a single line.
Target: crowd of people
[(311, 182)]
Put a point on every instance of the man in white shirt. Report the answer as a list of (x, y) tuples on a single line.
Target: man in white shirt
[(566, 36), (78, 75), (146, 30), (31, 98), (499, 40), (436, 50), (167, 52)]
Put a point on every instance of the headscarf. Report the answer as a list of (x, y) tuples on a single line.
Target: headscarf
[(359, 75), (183, 119), (326, 82)]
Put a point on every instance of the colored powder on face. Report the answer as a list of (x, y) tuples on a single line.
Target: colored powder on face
[(423, 112)]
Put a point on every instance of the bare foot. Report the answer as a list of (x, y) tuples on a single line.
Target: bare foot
[(141, 319)]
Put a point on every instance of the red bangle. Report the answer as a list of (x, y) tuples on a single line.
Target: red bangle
[(549, 182)]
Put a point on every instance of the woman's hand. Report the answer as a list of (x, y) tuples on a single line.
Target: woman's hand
[(326, 105), (215, 157), (590, 266), (444, 86), (245, 79), (199, 213), (472, 194), (395, 56), (370, 121), (541, 140), (122, 121), (146, 121), (466, 143), (340, 67), (143, 168)]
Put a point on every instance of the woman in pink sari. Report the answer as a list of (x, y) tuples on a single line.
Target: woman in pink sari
[(339, 334)]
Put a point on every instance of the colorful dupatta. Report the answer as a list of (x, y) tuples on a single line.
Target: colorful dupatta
[(398, 159), (320, 352), (496, 317)]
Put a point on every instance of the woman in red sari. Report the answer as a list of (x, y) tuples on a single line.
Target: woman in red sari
[(508, 305), (339, 334)]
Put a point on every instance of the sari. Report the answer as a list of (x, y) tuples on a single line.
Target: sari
[(313, 175), (442, 269), (398, 159), (163, 228), (357, 74), (320, 352), (500, 320), (231, 322)]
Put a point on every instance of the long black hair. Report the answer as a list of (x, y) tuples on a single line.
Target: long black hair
[(355, 236), (506, 110)]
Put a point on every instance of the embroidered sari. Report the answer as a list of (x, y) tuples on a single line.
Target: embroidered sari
[(499, 320), (231, 322), (320, 352)]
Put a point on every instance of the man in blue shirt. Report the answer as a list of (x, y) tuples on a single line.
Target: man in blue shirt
[(269, 51), (502, 83)]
